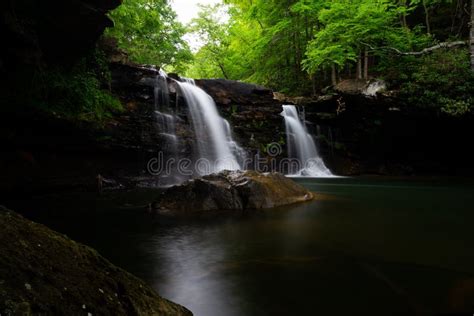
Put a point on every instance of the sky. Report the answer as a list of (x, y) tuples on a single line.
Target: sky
[(186, 11)]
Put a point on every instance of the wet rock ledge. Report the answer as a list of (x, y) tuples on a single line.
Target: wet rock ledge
[(45, 273), (231, 191)]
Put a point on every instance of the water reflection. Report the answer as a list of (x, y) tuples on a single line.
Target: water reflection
[(191, 262), (367, 247)]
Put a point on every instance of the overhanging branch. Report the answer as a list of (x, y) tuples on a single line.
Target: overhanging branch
[(422, 52)]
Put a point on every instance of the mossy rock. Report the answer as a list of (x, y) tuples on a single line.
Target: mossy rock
[(45, 273), (231, 190)]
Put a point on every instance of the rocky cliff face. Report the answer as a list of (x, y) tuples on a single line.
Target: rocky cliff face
[(356, 132), (36, 33), (359, 128), (253, 112)]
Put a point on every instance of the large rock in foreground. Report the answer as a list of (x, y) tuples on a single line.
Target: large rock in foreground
[(45, 273), (232, 190)]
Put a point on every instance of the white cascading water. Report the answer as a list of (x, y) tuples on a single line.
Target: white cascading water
[(166, 125), (374, 88), (301, 146), (212, 133), (166, 122), (238, 151)]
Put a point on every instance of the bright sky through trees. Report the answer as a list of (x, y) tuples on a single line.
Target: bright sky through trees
[(188, 10)]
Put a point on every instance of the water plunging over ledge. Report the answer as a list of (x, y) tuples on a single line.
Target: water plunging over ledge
[(216, 148), (165, 121), (301, 146)]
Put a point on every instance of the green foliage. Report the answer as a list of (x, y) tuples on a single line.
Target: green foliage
[(350, 27), (289, 45), (440, 80), (456, 107), (276, 42), (75, 93), (149, 32)]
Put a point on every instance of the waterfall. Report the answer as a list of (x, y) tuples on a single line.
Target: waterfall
[(215, 145), (375, 87), (189, 80), (166, 126), (238, 151), (161, 91), (301, 146)]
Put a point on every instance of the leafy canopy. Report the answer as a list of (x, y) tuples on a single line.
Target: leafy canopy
[(149, 32)]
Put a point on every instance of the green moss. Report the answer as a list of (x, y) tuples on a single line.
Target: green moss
[(77, 92), (45, 273)]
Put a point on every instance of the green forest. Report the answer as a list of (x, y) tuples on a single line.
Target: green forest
[(299, 47)]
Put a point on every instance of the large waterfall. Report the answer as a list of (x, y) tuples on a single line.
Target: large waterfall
[(301, 146), (214, 143)]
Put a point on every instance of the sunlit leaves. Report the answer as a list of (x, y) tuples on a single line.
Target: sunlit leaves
[(149, 32)]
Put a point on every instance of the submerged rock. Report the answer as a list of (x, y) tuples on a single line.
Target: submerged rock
[(232, 190), (45, 273)]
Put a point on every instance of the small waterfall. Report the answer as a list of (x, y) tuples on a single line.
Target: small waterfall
[(238, 151), (301, 146), (189, 80), (166, 125), (375, 87), (162, 99), (212, 133)]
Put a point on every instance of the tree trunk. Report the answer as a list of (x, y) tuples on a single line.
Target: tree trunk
[(423, 51), (359, 67), (333, 75), (313, 79), (306, 28), (427, 17), (471, 38), (223, 71), (366, 64), (454, 16), (403, 16)]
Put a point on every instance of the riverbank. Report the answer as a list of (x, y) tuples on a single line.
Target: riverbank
[(44, 272)]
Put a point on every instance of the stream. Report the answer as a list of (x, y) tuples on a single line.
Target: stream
[(366, 246)]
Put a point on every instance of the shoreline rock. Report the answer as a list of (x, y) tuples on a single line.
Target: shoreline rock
[(43, 272), (231, 191)]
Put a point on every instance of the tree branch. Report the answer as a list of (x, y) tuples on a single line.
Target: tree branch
[(422, 52)]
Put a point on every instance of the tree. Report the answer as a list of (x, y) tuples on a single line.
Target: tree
[(471, 37), (149, 32), (294, 46), (348, 28), (211, 61)]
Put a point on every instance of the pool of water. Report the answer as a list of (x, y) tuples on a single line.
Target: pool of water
[(363, 247)]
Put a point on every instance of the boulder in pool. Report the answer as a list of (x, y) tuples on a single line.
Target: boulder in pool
[(231, 190)]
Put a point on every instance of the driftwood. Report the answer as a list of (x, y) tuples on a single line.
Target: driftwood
[(422, 52)]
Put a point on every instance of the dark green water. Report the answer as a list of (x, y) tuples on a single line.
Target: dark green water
[(365, 247)]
